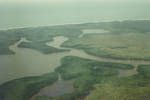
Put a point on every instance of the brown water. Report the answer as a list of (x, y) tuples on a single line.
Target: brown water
[(59, 88), (28, 62)]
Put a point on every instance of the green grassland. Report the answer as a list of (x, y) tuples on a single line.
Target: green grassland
[(109, 91), (120, 46)]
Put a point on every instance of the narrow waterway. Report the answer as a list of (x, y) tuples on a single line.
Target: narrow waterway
[(59, 88), (62, 87), (82, 54), (28, 62)]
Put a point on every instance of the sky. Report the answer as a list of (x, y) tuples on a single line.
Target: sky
[(70, 1), (67, 0), (26, 13)]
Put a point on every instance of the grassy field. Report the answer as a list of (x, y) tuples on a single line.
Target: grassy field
[(109, 91), (121, 46)]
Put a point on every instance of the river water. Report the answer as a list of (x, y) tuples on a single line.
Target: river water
[(28, 62)]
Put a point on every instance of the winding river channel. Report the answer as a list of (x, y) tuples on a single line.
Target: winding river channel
[(29, 62)]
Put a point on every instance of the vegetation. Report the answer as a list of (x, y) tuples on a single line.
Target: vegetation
[(24, 88), (6, 40), (74, 66), (84, 72), (117, 46), (109, 91), (125, 40), (100, 82), (87, 73), (144, 70), (92, 80), (128, 88), (39, 36), (40, 47)]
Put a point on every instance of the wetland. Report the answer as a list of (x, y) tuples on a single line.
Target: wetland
[(84, 60)]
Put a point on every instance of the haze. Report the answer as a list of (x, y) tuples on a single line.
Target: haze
[(25, 13)]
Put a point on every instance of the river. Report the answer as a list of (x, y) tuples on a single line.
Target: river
[(28, 62)]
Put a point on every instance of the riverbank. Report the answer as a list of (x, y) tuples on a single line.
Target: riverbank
[(84, 61)]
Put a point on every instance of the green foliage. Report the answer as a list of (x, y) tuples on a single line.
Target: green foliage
[(24, 88), (40, 47), (86, 73), (144, 70), (93, 80), (74, 66), (110, 92)]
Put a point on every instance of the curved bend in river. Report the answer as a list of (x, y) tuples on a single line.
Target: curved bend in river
[(28, 62)]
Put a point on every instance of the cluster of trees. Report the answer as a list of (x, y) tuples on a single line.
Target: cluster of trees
[(24, 88)]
